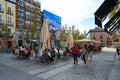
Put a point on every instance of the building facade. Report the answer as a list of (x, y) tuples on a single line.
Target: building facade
[(100, 35), (8, 21), (23, 20), (28, 18)]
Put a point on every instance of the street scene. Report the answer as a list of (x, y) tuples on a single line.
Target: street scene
[(59, 40), (103, 66)]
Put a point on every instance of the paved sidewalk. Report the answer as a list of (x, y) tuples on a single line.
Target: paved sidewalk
[(101, 67), (115, 74)]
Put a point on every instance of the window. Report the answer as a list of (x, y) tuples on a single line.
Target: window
[(1, 9), (94, 37), (38, 27), (9, 10), (27, 1), (0, 6), (1, 18), (101, 37), (38, 18), (38, 4), (0, 43), (21, 23), (20, 3), (9, 19), (28, 17), (20, 13), (38, 10), (27, 8), (32, 2)]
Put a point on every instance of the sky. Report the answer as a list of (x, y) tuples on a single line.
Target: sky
[(74, 12)]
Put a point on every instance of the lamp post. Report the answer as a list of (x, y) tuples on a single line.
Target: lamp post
[(24, 36), (17, 37), (30, 37)]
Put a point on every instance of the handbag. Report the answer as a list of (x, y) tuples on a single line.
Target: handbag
[(82, 57)]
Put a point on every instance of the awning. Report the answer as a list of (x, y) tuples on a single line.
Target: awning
[(103, 11), (113, 24)]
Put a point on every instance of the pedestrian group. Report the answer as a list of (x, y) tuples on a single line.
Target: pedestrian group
[(81, 51)]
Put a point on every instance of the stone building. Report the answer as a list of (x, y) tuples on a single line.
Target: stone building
[(100, 35)]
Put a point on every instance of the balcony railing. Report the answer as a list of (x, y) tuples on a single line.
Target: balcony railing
[(20, 7), (20, 26), (10, 23), (27, 19), (21, 17), (9, 12), (28, 9)]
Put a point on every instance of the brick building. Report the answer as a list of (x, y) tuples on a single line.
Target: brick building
[(28, 16), (20, 16)]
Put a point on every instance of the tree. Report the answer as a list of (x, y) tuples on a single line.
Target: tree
[(63, 35), (113, 12), (5, 32), (76, 33)]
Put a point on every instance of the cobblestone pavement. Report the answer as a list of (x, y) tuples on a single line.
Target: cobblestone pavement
[(98, 68), (10, 73)]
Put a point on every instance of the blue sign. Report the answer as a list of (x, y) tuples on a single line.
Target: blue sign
[(54, 21)]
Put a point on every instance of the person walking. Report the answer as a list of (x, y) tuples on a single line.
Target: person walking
[(84, 54), (118, 49), (90, 50), (75, 51)]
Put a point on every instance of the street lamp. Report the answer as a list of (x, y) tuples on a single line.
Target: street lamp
[(30, 37), (17, 37)]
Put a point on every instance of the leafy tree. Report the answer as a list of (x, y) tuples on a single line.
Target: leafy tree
[(63, 35), (113, 12), (5, 32), (76, 33)]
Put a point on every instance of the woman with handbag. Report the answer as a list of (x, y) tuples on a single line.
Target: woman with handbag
[(84, 55)]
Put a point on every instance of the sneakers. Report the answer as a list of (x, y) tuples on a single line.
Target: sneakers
[(75, 62)]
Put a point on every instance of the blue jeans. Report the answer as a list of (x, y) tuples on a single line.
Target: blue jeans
[(90, 54), (75, 58)]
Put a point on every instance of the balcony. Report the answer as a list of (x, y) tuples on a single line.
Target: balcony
[(9, 12), (21, 17), (27, 19), (28, 1), (28, 9), (20, 26), (20, 7), (10, 23)]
